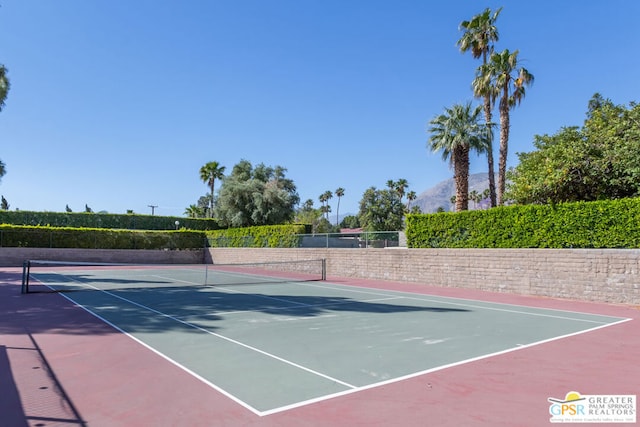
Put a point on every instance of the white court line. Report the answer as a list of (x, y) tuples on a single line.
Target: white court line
[(415, 296), (191, 325), (427, 371)]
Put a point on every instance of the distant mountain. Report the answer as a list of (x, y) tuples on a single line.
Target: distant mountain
[(440, 195)]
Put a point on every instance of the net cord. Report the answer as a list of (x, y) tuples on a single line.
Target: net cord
[(26, 267)]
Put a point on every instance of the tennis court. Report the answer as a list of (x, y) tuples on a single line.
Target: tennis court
[(273, 341), (280, 345)]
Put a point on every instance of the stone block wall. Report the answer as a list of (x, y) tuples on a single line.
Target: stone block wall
[(604, 275)]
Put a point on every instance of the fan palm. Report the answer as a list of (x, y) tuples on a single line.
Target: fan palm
[(4, 89), (504, 78), (4, 85), (339, 193), (479, 35), (401, 187), (193, 211), (411, 196), (454, 133), (208, 174)]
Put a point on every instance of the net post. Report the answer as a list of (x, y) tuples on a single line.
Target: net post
[(25, 276), (324, 269)]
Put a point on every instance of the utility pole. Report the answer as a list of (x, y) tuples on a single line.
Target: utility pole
[(153, 208)]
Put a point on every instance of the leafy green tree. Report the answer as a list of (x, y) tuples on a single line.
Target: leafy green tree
[(381, 210), (67, 209), (208, 174), (204, 206), (598, 161), (4, 204), (308, 214), (323, 226), (256, 196), (479, 35), (454, 133), (350, 221), (87, 209), (504, 77), (3, 169)]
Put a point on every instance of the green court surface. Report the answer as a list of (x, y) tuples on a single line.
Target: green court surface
[(276, 344)]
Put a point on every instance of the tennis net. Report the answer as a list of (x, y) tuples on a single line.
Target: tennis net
[(66, 276)]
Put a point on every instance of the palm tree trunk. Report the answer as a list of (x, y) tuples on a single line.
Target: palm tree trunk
[(490, 166), (461, 177), (211, 210), (504, 142)]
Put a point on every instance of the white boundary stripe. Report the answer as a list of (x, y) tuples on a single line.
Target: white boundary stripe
[(438, 368), (416, 296), (184, 368), (165, 357), (231, 340), (352, 389)]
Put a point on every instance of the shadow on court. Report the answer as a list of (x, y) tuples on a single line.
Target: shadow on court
[(32, 393), (10, 404), (129, 385), (156, 310)]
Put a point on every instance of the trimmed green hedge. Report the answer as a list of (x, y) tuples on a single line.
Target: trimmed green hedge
[(105, 220), (601, 224), (267, 236), (97, 238)]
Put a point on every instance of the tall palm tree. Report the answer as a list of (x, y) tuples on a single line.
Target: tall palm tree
[(208, 174), (454, 133), (479, 35), (508, 79), (327, 196), (473, 196), (401, 187), (411, 196), (4, 85), (324, 200), (4, 90), (339, 193)]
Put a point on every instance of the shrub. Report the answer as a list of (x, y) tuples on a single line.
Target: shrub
[(601, 224)]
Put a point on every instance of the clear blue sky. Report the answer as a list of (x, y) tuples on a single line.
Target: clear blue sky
[(118, 103)]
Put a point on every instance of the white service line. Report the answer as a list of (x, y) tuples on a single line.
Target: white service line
[(231, 340)]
